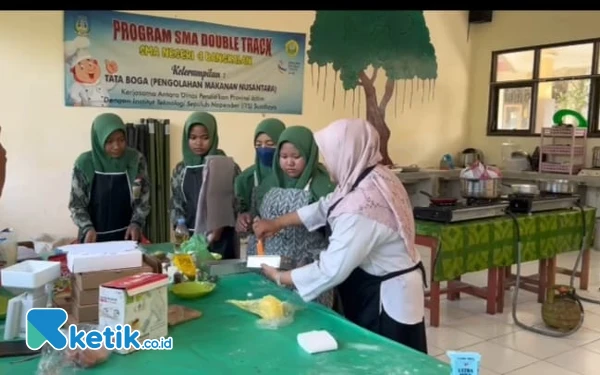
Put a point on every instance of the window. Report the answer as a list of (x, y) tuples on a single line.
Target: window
[(529, 85)]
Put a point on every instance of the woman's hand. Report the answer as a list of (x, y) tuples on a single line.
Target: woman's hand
[(281, 278), (133, 233), (90, 236), (214, 236), (243, 223), (265, 228), (270, 272)]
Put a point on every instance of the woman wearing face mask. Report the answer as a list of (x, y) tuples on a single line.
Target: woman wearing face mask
[(266, 136), (297, 181), (110, 191), (200, 139), (371, 258)]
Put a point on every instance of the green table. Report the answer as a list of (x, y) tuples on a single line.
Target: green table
[(478, 245), (226, 340)]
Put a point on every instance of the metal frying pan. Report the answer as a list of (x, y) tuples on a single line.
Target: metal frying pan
[(439, 201)]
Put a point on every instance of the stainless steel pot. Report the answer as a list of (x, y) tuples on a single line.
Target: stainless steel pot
[(478, 188), (524, 189), (558, 186)]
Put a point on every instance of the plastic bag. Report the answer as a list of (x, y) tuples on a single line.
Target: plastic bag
[(478, 170), (198, 246), (274, 313), (68, 361)]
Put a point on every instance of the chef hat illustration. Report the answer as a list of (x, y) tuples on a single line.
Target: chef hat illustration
[(77, 50)]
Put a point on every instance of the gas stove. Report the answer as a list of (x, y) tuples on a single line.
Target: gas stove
[(462, 211), (545, 202)]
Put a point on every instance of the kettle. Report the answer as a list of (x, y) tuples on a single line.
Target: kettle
[(469, 156)]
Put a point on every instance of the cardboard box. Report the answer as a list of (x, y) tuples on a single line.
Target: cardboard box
[(84, 314), (139, 301), (101, 256), (93, 280), (86, 297)]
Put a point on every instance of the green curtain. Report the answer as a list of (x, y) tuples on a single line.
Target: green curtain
[(151, 138)]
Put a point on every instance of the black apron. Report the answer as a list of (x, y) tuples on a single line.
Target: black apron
[(192, 183), (360, 298), (110, 206)]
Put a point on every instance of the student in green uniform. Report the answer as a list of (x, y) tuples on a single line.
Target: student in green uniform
[(200, 139), (297, 180), (110, 191), (266, 137)]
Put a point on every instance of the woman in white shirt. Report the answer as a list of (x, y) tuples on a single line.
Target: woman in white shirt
[(371, 256)]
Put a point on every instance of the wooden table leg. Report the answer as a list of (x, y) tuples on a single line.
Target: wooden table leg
[(543, 279), (453, 294), (433, 303), (584, 276), (502, 276), (551, 273), (492, 290)]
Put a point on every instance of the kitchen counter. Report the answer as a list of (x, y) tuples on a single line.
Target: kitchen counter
[(227, 340), (424, 174)]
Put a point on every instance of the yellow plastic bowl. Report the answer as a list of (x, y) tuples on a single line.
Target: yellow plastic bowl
[(193, 289), (217, 256)]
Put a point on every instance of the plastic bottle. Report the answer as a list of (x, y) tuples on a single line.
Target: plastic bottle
[(182, 233), (8, 246)]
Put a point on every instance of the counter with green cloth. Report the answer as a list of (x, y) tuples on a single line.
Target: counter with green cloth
[(227, 340), (477, 245), (490, 244)]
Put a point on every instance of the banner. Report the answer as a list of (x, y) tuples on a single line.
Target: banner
[(123, 60)]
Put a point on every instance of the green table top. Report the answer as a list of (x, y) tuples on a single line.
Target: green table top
[(227, 340), (480, 244)]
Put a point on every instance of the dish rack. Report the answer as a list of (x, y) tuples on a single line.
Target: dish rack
[(566, 153)]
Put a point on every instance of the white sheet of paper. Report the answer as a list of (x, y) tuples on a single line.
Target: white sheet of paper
[(255, 261), (317, 342)]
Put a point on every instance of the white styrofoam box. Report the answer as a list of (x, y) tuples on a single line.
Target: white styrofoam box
[(30, 274), (103, 256)]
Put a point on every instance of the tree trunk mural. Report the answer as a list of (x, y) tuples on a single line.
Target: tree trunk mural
[(396, 42)]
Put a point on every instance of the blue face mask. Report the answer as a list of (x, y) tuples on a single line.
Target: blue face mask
[(265, 155)]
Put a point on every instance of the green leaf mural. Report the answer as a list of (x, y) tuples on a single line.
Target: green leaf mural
[(396, 42)]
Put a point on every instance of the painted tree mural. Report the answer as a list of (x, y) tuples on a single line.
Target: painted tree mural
[(396, 42)]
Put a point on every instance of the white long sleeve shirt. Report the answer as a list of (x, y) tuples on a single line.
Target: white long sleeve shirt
[(357, 241)]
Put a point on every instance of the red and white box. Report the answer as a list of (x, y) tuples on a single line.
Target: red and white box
[(141, 301)]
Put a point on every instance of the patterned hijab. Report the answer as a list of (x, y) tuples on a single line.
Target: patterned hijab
[(348, 148)]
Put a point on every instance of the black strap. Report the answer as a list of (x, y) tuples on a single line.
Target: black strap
[(361, 177), (418, 266)]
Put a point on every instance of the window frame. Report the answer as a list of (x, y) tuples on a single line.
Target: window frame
[(495, 87)]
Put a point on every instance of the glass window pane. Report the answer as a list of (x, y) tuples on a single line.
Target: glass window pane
[(552, 96), (514, 66), (568, 61), (514, 107)]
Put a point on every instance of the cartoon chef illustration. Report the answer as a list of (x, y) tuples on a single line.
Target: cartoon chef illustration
[(89, 88)]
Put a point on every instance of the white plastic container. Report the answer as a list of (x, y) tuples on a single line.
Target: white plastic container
[(9, 247)]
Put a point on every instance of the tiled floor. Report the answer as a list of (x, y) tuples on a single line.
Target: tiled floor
[(508, 349)]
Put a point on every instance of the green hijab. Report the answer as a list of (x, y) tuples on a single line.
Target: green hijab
[(273, 128), (244, 183), (320, 183), (97, 160), (207, 120)]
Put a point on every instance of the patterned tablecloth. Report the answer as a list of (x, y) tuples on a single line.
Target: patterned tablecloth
[(481, 244)]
